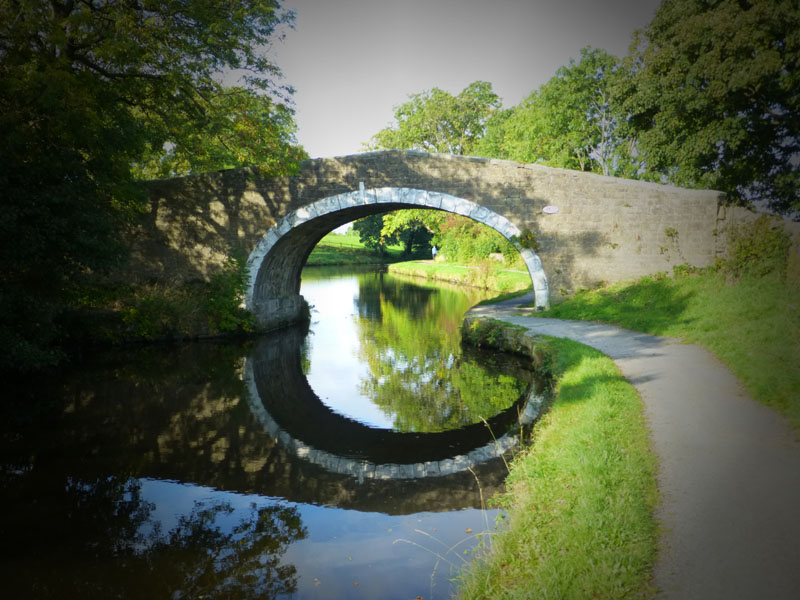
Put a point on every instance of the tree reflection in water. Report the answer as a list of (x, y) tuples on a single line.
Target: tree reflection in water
[(419, 374), (104, 471), (76, 520), (110, 546)]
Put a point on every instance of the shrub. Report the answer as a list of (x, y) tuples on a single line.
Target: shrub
[(757, 248), (224, 301), (464, 240), (158, 311)]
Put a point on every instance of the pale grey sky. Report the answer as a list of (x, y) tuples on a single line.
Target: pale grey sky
[(352, 61)]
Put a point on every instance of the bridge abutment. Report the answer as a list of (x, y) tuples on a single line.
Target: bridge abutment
[(276, 313)]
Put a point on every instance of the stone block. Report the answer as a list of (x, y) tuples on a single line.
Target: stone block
[(447, 466), (461, 463), (386, 195), (431, 468), (350, 199), (405, 472), (368, 196), (479, 213), (463, 207), (447, 202)]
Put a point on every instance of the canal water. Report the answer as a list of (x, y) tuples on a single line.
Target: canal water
[(351, 459)]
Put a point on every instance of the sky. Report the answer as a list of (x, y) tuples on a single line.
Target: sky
[(352, 61)]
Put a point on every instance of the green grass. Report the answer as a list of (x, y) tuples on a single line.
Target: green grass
[(347, 249), (580, 500), (752, 325), (484, 275)]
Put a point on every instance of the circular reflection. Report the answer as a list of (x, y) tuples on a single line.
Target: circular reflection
[(283, 401)]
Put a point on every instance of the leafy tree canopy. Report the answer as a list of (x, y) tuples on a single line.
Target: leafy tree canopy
[(242, 127), (414, 228), (464, 241), (425, 218), (91, 94), (369, 232), (714, 96), (437, 121), (569, 122)]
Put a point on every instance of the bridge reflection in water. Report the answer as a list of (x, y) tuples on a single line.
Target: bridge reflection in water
[(168, 447), (184, 415), (365, 468)]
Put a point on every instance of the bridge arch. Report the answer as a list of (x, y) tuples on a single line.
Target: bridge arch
[(274, 266)]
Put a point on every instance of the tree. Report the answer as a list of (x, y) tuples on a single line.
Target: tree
[(437, 121), (242, 127), (413, 227), (369, 232), (94, 93), (570, 121), (492, 144), (464, 241), (714, 95)]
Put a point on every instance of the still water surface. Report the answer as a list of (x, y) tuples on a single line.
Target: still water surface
[(335, 463)]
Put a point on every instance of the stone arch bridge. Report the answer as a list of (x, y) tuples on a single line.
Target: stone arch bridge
[(590, 228)]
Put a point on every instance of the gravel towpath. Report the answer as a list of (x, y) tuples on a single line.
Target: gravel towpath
[(729, 468)]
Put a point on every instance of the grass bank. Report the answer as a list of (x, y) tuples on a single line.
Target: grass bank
[(347, 249), (580, 500), (485, 275), (751, 324)]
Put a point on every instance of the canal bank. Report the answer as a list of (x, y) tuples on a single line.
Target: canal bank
[(728, 468), (580, 499), (483, 275)]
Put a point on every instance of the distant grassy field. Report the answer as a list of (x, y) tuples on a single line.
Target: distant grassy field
[(483, 275), (347, 249), (752, 324)]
